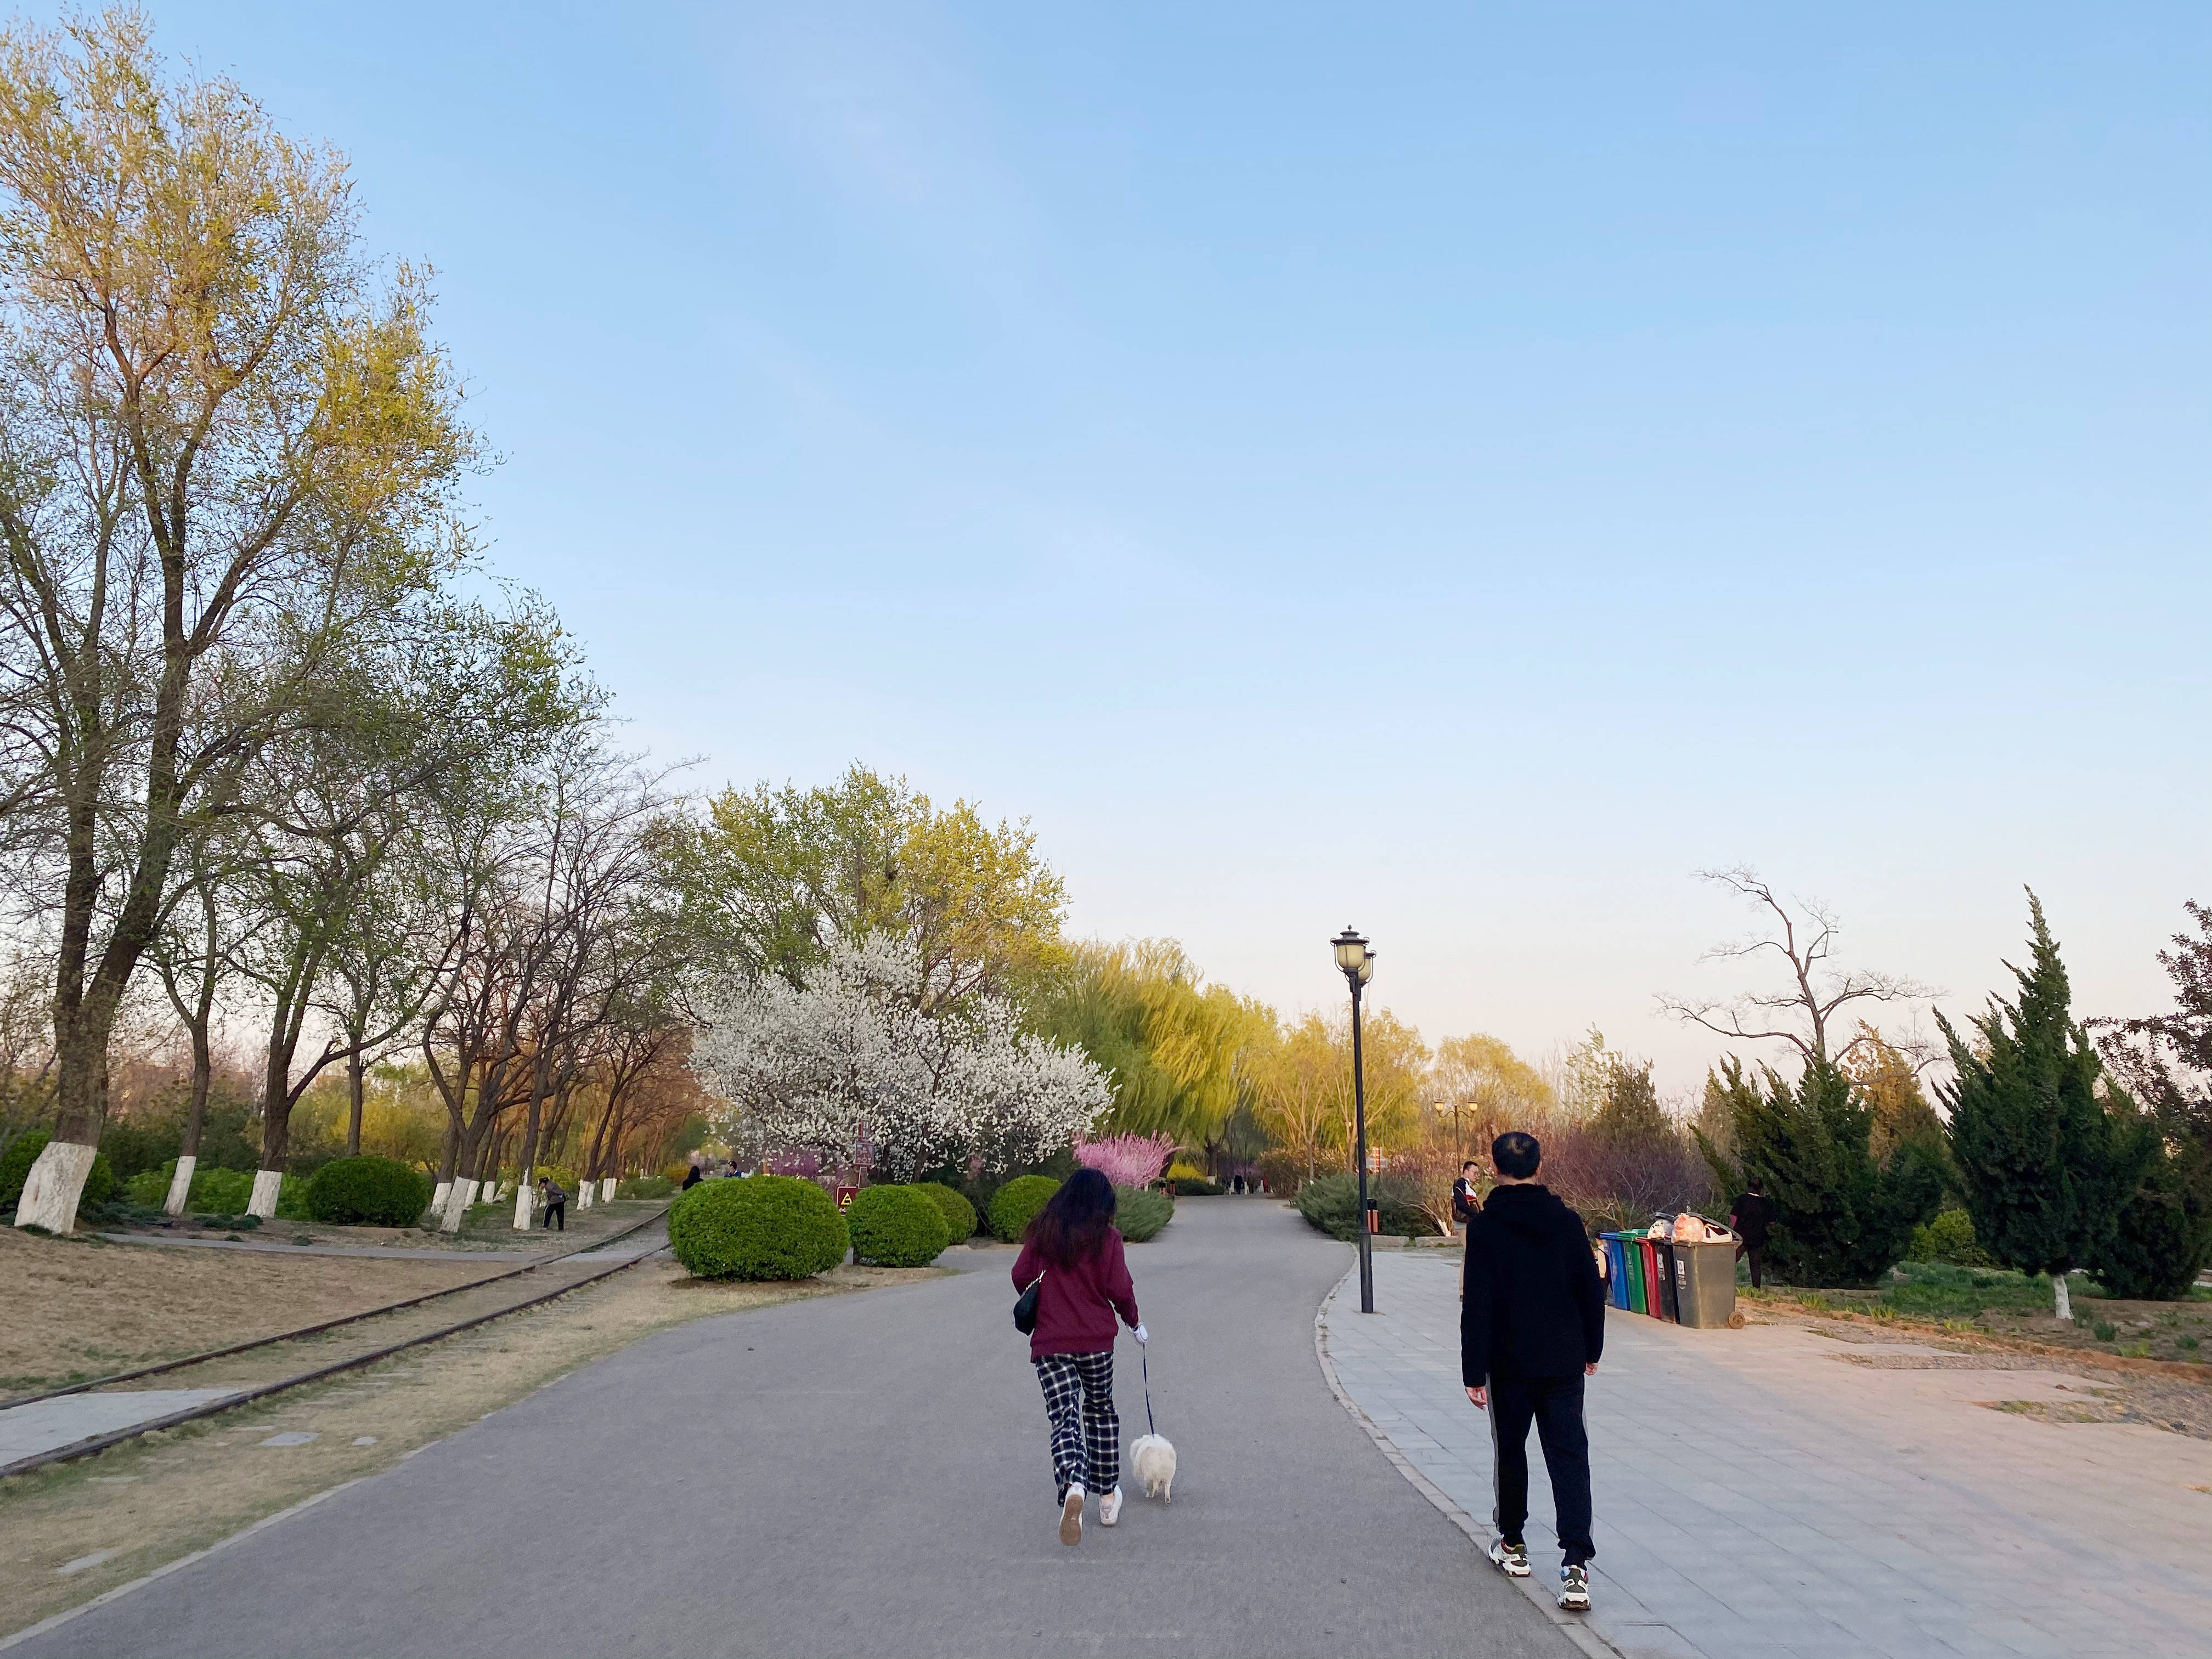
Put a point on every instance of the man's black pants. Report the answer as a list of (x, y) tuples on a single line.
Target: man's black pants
[(1751, 1253), (556, 1215), (1555, 1405)]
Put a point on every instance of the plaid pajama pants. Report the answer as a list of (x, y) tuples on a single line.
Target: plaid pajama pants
[(1086, 1430)]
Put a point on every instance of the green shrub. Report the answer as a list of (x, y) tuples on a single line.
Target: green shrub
[(149, 1188), (1016, 1204), (1949, 1237), (219, 1192), (2162, 1236), (565, 1179), (645, 1186), (1331, 1204), (134, 1145), (1140, 1213), (959, 1214), (2106, 1331), (1199, 1187), (374, 1192), (100, 1184), (1180, 1170), (896, 1227), (16, 1164), (765, 1228)]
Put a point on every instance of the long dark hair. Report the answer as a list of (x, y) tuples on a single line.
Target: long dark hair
[(1072, 1223)]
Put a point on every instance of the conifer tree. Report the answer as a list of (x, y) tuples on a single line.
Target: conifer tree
[(2045, 1162), (1840, 1217)]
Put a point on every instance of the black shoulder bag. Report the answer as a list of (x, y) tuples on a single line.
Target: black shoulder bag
[(1025, 1307)]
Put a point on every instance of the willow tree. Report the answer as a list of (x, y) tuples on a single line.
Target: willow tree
[(1183, 1055), (224, 439)]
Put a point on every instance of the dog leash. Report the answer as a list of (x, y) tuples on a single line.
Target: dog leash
[(1144, 1360)]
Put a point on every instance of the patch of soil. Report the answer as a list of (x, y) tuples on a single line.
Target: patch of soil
[(80, 1307), (152, 1500)]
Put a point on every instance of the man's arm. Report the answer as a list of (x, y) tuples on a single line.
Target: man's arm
[(1588, 1294), (1474, 1309)]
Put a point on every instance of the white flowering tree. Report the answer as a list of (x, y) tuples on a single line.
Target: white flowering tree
[(861, 1064)]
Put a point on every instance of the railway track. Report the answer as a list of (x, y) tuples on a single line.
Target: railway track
[(246, 1371)]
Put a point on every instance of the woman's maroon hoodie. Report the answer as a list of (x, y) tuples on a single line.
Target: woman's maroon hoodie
[(1076, 1306)]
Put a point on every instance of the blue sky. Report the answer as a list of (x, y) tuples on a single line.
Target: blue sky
[(1456, 470)]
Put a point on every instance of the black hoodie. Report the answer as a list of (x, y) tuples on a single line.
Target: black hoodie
[(1533, 1305)]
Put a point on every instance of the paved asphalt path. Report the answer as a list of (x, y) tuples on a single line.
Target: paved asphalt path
[(868, 1475)]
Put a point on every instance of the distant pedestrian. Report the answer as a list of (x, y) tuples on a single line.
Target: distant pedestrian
[(696, 1173), (556, 1203), (1072, 1253), (1530, 1331), (1751, 1215), (1466, 1199)]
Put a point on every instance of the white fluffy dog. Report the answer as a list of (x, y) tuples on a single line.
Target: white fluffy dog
[(1153, 1457)]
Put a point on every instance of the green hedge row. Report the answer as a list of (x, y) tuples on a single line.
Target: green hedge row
[(375, 1192)]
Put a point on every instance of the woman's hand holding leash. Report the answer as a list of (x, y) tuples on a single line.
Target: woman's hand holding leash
[(1138, 1332)]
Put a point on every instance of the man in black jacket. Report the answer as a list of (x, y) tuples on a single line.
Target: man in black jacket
[(1531, 1327)]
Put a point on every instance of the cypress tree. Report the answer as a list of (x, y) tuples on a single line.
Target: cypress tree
[(2045, 1165), (1841, 1217)]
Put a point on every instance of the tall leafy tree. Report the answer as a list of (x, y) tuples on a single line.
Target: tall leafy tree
[(2045, 1149), (768, 880), (224, 440)]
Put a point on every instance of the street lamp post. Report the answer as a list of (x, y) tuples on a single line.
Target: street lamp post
[(1358, 964)]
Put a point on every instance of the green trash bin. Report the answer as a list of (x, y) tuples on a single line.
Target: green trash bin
[(1704, 1285)]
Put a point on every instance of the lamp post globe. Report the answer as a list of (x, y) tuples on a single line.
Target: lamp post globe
[(1357, 963)]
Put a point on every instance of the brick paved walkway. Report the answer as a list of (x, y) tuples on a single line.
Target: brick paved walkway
[(1760, 1494)]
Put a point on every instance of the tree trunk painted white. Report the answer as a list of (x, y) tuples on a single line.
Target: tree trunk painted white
[(523, 1207), (457, 1206), (607, 1190), (584, 1189), (438, 1198), (2059, 1295), (54, 1185), (264, 1201), (181, 1184)]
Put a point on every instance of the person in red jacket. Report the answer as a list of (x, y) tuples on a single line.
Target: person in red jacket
[(1073, 1247)]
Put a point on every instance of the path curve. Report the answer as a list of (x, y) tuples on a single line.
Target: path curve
[(867, 1475)]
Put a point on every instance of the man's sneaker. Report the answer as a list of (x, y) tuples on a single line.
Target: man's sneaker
[(1511, 1559), (1109, 1507), (1070, 1516), (1574, 1588)]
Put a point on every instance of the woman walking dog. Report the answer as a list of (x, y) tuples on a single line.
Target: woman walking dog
[(1072, 1253)]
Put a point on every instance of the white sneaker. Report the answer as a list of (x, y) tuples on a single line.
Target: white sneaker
[(1574, 1588), (1070, 1516), (1511, 1559), (1109, 1507)]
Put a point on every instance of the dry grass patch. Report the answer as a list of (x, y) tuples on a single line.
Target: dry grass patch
[(80, 1307)]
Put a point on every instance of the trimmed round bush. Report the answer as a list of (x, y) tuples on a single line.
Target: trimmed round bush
[(765, 1227), (1141, 1212), (1014, 1205), (373, 1192), (896, 1227), (959, 1214)]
